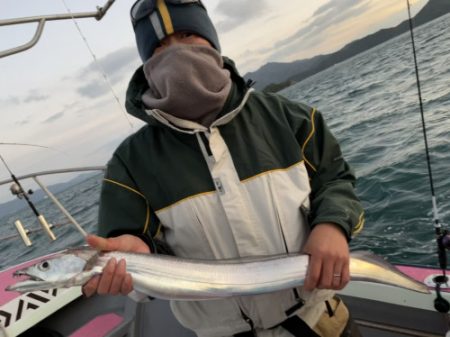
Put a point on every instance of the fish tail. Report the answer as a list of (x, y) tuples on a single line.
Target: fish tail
[(376, 269)]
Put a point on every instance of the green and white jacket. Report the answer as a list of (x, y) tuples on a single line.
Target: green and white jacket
[(254, 183)]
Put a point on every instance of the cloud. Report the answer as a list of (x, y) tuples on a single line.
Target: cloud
[(113, 64), (34, 96), (53, 117), (238, 12), (117, 65), (22, 122), (327, 16), (11, 100), (96, 109), (31, 97), (107, 147), (93, 89), (320, 26)]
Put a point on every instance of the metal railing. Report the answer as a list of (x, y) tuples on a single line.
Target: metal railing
[(42, 19)]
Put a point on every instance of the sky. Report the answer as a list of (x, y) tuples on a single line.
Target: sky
[(55, 95)]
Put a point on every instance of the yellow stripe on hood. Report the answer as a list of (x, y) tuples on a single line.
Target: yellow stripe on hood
[(167, 21)]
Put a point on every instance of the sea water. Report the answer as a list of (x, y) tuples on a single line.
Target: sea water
[(371, 105)]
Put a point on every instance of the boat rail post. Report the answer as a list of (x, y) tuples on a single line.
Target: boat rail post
[(46, 227), (23, 233), (60, 206)]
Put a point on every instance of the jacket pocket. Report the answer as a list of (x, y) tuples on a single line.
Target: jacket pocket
[(333, 325)]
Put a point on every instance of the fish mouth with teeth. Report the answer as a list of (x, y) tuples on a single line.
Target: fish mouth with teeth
[(34, 282), (19, 273)]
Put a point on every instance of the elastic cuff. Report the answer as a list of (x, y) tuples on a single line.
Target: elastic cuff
[(148, 241), (344, 228)]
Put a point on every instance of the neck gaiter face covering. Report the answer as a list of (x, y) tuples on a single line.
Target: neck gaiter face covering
[(188, 82)]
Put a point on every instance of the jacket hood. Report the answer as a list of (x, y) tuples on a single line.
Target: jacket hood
[(138, 86)]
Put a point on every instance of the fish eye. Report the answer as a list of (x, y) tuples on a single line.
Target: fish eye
[(44, 266)]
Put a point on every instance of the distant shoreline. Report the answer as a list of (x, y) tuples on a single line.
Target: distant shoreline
[(302, 69)]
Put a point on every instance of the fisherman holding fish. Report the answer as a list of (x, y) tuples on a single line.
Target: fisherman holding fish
[(222, 171)]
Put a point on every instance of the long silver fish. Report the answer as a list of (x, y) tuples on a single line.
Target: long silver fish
[(169, 277)]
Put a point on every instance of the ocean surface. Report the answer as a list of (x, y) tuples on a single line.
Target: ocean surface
[(371, 105)]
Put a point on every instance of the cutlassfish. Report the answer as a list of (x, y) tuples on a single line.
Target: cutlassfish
[(168, 277)]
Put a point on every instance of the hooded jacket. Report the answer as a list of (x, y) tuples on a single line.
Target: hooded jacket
[(254, 183)]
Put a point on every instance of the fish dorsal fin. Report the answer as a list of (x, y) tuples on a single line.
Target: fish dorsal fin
[(245, 259)]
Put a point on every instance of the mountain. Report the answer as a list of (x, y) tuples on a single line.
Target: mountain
[(14, 205), (279, 75), (276, 72)]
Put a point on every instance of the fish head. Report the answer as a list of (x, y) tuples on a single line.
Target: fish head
[(68, 268)]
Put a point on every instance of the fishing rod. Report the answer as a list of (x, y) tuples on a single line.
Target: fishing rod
[(442, 235), (18, 190)]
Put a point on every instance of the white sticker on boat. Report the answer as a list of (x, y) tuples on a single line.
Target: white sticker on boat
[(14, 310)]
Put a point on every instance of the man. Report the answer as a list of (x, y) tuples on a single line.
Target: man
[(222, 171)]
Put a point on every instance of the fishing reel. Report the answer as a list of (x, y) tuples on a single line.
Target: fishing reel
[(443, 241), (18, 191)]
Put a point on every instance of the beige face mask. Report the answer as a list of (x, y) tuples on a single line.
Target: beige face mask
[(188, 82)]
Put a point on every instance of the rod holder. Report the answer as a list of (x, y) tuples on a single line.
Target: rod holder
[(46, 227), (23, 233)]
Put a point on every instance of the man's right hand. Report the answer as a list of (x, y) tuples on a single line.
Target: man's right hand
[(114, 279)]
